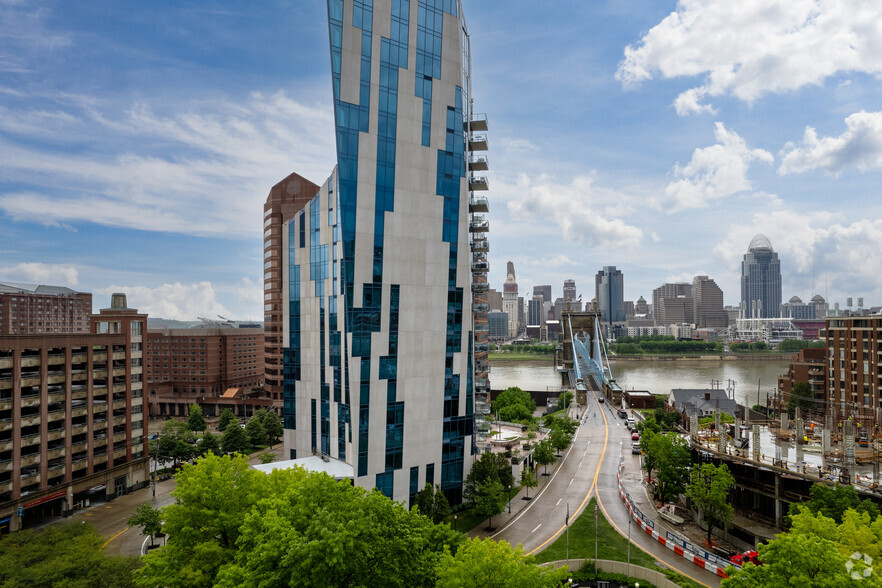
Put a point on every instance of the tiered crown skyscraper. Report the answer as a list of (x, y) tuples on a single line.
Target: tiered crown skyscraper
[(378, 269)]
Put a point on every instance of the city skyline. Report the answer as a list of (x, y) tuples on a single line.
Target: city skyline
[(137, 144)]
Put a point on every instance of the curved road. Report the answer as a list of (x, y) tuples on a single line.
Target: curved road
[(589, 467)]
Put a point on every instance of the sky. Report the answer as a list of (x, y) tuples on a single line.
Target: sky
[(139, 141)]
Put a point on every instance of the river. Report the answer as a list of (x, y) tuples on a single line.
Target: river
[(659, 377)]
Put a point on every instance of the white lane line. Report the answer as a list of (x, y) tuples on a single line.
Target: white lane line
[(537, 526), (571, 481), (558, 501)]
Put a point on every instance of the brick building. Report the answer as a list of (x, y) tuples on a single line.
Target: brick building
[(27, 309), (212, 367), (71, 417)]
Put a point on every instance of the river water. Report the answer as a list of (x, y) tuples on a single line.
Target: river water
[(658, 377)]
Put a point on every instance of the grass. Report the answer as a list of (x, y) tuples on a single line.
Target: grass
[(466, 519), (610, 545)]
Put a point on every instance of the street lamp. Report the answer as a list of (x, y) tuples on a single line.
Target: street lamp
[(509, 499), (454, 522)]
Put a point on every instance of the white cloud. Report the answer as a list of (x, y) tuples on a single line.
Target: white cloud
[(201, 171), (576, 209), (56, 274), (859, 146), (173, 301), (753, 47), (714, 172), (843, 255)]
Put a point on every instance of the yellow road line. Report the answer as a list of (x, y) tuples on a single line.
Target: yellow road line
[(114, 537), (593, 483)]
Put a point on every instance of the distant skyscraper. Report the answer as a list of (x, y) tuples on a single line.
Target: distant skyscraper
[(610, 290), (569, 293), (510, 300), (708, 303), (544, 292), (535, 311), (760, 280), (669, 290)]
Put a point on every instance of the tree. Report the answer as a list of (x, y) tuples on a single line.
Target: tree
[(650, 456), (267, 458), (833, 501), (147, 517), (514, 405), (196, 420), (490, 500), (709, 492), (234, 439), (528, 479), (68, 555), (673, 459), (208, 443), (565, 400), (273, 425), (560, 439), (814, 553), (310, 530), (226, 418), (211, 498), (800, 396), (175, 442), (431, 502), (544, 455), (484, 562), (490, 467), (255, 431)]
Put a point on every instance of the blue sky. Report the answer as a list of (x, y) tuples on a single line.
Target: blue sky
[(138, 142)]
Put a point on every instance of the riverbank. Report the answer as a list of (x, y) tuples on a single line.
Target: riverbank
[(699, 357), (509, 356)]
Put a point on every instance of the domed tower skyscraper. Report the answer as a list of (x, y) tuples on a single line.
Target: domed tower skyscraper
[(760, 280)]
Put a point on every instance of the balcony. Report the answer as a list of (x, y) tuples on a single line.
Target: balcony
[(80, 411), (480, 286), (55, 359), (120, 420), (480, 308), (479, 163), (29, 460), (483, 426), (479, 224), (55, 453), (5, 363), (482, 407), (58, 396), (30, 478), (29, 421), (119, 355), (479, 204), (480, 266), (480, 244), (32, 380), (99, 459), (119, 454), (482, 347), (56, 378), (78, 429), (482, 367), (27, 401), (79, 464), (119, 437), (478, 183), (28, 440), (77, 447), (56, 469), (54, 435), (5, 382), (30, 361), (477, 122), (6, 445), (99, 356), (478, 142), (99, 441), (481, 383), (119, 387), (119, 372), (78, 357)]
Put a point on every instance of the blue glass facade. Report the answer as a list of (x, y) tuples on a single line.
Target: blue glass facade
[(374, 261)]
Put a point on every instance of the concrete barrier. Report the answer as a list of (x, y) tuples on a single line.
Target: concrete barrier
[(619, 567)]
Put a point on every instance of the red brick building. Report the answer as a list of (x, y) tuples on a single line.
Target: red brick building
[(212, 367), (27, 309)]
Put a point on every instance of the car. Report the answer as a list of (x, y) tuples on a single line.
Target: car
[(635, 436), (631, 424), (635, 448), (623, 414), (600, 399), (153, 437)]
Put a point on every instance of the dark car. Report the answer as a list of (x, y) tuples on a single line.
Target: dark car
[(600, 399), (623, 414)]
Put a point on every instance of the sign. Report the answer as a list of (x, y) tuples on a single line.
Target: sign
[(20, 512), (47, 498)]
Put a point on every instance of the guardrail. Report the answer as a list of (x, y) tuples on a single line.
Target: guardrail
[(689, 551)]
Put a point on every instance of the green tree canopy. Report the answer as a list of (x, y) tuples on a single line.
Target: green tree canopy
[(528, 479), (309, 530), (208, 443), (490, 499), (514, 405), (431, 502), (255, 431), (272, 423), (196, 420), (480, 563), (234, 439), (67, 555), (800, 397), (211, 499), (833, 501), (544, 454), (175, 442), (226, 418), (560, 439), (148, 518), (673, 460), (490, 467), (709, 492)]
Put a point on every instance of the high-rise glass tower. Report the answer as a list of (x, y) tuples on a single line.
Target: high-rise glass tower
[(610, 291), (760, 280), (380, 266)]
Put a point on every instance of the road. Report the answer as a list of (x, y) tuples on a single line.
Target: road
[(589, 468)]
